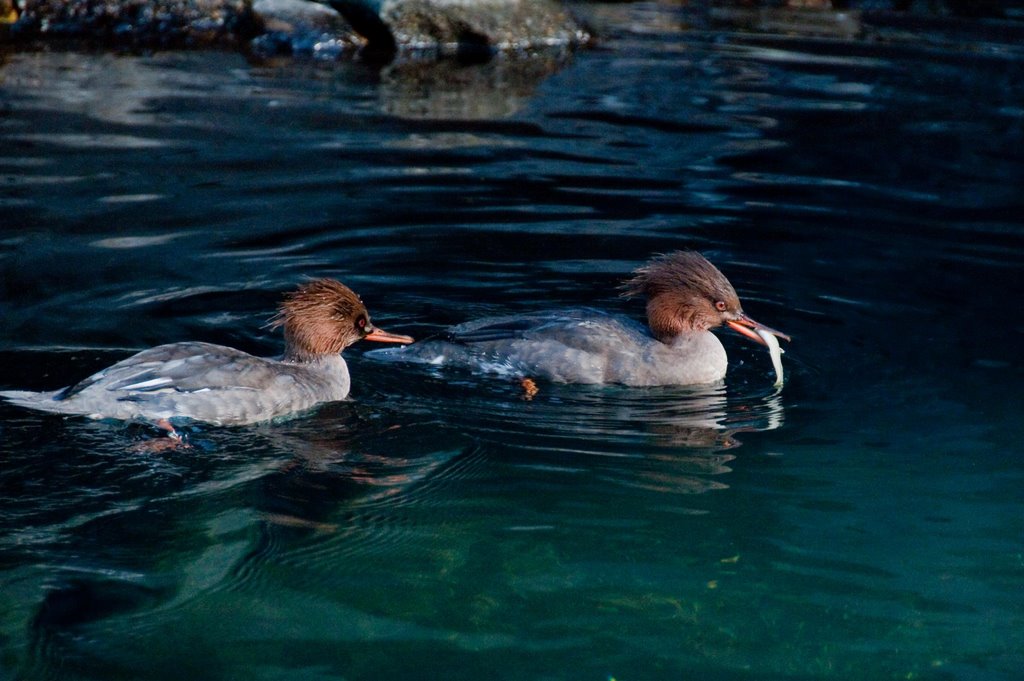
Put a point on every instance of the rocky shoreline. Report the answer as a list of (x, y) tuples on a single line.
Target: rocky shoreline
[(377, 28), (473, 30), (135, 23)]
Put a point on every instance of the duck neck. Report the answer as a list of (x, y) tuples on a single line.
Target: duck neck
[(297, 355), (304, 348), (685, 337), (670, 319)]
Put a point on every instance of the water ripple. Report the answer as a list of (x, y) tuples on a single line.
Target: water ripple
[(442, 521)]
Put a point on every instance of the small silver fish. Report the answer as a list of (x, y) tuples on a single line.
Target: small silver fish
[(773, 347)]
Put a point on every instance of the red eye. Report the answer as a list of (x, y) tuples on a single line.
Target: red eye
[(720, 306), (361, 323)]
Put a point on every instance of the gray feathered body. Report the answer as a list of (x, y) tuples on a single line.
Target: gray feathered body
[(571, 346), (197, 381)]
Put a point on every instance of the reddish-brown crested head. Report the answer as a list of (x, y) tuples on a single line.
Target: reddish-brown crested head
[(685, 293), (323, 317)]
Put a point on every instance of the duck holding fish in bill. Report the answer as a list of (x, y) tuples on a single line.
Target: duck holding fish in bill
[(687, 297), (223, 386)]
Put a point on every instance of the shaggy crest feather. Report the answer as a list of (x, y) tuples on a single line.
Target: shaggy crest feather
[(317, 316), (682, 289)]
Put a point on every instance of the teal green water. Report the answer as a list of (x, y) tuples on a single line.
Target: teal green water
[(863, 523)]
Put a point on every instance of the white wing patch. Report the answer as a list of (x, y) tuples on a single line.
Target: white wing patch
[(152, 383)]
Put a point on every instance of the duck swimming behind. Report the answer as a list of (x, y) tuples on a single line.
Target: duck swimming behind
[(686, 297), (223, 386)]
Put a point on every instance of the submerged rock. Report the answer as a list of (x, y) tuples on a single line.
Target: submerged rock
[(446, 90)]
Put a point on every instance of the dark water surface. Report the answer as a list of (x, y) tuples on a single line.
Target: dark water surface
[(864, 195)]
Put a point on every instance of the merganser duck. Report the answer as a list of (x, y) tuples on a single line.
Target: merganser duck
[(686, 297), (223, 386)]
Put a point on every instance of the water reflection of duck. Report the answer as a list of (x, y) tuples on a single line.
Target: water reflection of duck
[(224, 386), (686, 295)]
